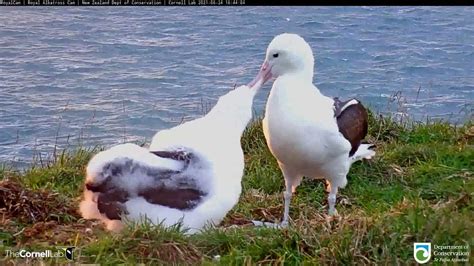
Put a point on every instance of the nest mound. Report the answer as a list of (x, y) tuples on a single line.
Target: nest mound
[(31, 206)]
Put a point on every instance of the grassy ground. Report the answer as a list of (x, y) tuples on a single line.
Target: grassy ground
[(419, 188)]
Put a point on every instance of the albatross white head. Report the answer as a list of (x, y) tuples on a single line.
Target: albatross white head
[(287, 54)]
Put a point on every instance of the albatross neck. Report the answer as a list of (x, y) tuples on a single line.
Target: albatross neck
[(301, 76), (304, 73), (232, 117)]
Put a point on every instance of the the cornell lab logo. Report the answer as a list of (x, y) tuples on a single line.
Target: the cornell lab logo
[(69, 253), (422, 252)]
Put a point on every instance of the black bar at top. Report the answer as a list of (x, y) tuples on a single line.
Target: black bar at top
[(229, 2)]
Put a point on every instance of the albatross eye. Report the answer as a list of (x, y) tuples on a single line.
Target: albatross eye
[(275, 55)]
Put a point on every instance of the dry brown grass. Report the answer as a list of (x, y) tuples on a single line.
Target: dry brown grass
[(33, 206)]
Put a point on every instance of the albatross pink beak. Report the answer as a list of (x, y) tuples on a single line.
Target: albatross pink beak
[(263, 76)]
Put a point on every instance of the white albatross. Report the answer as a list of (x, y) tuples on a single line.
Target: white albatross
[(308, 133), (191, 173)]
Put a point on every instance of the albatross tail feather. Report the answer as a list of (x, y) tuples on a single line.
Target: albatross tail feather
[(365, 151)]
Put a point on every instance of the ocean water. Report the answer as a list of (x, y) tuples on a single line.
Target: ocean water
[(89, 76)]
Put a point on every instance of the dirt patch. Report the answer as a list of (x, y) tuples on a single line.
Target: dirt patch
[(235, 219), (271, 213)]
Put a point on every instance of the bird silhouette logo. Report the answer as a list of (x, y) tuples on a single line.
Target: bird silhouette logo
[(69, 253)]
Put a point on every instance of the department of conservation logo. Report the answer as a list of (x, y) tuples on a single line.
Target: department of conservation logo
[(422, 252)]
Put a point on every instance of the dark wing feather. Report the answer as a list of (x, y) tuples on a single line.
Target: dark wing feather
[(186, 195), (180, 198), (352, 122), (183, 194), (179, 155), (111, 203)]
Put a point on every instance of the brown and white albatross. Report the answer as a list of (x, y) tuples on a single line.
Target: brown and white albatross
[(191, 174), (309, 133)]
